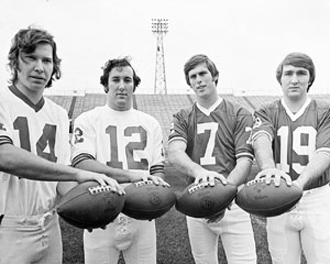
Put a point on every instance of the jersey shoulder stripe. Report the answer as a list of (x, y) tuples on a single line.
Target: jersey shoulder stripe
[(81, 157), (5, 140)]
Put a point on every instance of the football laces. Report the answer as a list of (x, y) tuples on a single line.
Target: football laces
[(256, 181), (195, 188), (100, 189), (142, 183)]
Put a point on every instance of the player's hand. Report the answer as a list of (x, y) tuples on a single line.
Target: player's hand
[(209, 178), (216, 217), (115, 186), (101, 179), (156, 180), (273, 174)]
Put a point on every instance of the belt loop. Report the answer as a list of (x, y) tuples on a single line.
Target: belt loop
[(42, 220), (1, 217)]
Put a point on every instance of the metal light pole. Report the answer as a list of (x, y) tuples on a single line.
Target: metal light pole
[(160, 28)]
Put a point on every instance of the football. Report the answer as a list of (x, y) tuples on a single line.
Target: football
[(146, 201), (200, 201), (90, 205), (267, 200)]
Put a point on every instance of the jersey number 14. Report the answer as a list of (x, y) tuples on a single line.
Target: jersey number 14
[(46, 139)]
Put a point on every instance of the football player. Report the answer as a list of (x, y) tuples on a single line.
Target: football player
[(34, 153), (291, 141), (125, 144), (208, 142)]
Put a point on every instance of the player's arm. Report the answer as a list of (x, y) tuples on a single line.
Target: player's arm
[(157, 157), (263, 151), (19, 162), (158, 178), (262, 145), (241, 171), (120, 175), (319, 162), (316, 166), (182, 162)]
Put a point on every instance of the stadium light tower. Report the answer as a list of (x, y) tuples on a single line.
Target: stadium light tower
[(160, 28)]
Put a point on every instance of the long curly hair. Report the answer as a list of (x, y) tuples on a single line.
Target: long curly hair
[(26, 41)]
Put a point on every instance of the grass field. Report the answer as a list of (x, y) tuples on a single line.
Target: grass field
[(172, 240)]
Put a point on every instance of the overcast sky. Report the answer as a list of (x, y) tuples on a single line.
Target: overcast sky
[(245, 38)]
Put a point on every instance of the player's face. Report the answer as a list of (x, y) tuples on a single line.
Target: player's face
[(121, 87), (202, 82), (34, 71), (294, 82)]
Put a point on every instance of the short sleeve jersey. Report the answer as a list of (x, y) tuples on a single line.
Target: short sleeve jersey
[(296, 137), (215, 139), (121, 139), (42, 129)]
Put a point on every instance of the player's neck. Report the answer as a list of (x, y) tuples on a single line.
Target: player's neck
[(208, 101), (295, 105), (34, 95)]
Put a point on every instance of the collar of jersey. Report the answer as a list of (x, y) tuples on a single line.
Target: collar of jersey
[(25, 99), (210, 109), (125, 112), (295, 116)]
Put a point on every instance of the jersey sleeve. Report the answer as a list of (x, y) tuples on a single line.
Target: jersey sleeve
[(243, 147), (5, 127), (323, 138), (158, 156), (179, 127), (262, 122), (65, 146), (83, 140)]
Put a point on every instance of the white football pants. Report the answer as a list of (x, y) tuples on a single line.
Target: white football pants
[(236, 232), (135, 238), (306, 227), (34, 239)]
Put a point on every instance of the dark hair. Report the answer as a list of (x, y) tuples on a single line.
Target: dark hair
[(297, 59), (110, 64), (26, 41), (197, 60)]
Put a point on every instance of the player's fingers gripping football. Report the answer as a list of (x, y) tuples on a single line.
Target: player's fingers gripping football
[(202, 179), (115, 186), (266, 175), (157, 180), (84, 176), (209, 178), (214, 176), (287, 178), (275, 175), (102, 180), (221, 178)]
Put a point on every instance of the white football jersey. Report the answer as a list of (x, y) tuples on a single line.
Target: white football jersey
[(42, 129), (121, 139)]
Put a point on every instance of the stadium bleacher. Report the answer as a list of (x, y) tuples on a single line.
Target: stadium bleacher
[(162, 107)]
